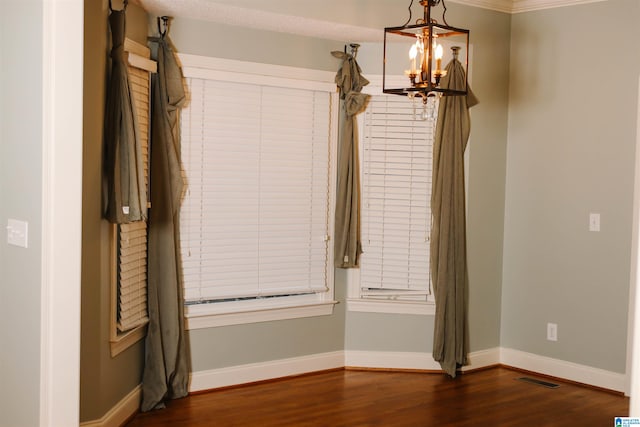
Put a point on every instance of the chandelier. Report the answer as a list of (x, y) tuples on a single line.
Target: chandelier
[(414, 55)]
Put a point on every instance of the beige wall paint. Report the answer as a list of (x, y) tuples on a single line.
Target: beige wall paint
[(572, 137), (104, 380)]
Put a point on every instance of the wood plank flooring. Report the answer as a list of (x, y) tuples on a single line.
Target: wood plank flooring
[(492, 397)]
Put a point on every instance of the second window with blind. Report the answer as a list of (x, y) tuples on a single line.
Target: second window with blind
[(396, 145), (255, 222)]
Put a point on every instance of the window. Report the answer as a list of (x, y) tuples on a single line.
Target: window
[(396, 141), (255, 221), (129, 241)]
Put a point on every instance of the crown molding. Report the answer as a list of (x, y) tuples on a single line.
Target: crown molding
[(518, 6), (497, 5), (531, 5)]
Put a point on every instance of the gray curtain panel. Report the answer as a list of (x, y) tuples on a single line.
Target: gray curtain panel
[(166, 371), (124, 192), (347, 245), (448, 233)]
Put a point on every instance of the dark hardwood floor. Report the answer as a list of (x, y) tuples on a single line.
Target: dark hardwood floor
[(492, 397)]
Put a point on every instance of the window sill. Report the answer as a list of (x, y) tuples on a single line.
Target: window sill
[(393, 307), (200, 317), (126, 340)]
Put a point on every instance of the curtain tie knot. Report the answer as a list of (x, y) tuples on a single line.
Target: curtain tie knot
[(118, 54), (355, 102)]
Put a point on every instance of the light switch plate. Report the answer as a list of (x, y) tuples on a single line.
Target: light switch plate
[(594, 222), (18, 233)]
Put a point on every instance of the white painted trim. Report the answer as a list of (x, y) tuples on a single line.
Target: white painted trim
[(520, 6), (195, 320), (563, 369), (415, 360), (62, 76), (633, 328), (391, 307), (482, 359), (121, 412), (234, 375), (197, 66), (355, 303), (269, 21), (390, 360), (274, 369), (505, 6)]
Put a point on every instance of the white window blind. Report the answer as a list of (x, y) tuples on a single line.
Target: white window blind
[(254, 219), (131, 239), (396, 216)]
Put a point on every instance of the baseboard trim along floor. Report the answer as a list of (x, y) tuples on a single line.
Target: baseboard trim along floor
[(255, 372)]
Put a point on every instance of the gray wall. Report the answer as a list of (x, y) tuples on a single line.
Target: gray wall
[(233, 345), (227, 346), (572, 136), (20, 198), (104, 380), (490, 33)]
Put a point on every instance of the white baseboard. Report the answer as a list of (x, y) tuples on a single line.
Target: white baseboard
[(234, 375), (564, 370), (482, 359), (242, 374), (120, 413), (414, 360), (390, 360)]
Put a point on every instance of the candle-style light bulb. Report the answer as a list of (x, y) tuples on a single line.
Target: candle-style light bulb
[(413, 52), (439, 53)]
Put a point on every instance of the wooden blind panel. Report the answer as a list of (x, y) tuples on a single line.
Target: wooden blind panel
[(132, 238)]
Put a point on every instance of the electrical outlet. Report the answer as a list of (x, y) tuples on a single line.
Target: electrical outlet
[(552, 332)]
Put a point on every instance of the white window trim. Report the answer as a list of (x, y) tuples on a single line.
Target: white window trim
[(354, 301), (235, 313), (197, 318)]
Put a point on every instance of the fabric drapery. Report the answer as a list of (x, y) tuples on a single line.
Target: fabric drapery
[(124, 192), (347, 245), (448, 233), (166, 371)]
